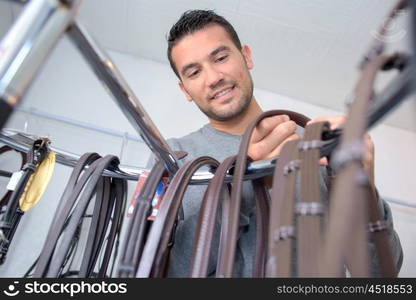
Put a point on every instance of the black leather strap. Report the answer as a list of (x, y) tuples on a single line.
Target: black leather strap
[(108, 208)]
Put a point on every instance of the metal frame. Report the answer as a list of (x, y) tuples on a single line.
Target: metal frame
[(40, 25)]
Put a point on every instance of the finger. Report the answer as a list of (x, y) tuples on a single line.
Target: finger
[(266, 126), (278, 149), (323, 161), (265, 146)]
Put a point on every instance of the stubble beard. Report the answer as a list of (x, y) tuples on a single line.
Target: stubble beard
[(232, 112)]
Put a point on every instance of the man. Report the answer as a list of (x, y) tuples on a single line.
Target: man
[(214, 72)]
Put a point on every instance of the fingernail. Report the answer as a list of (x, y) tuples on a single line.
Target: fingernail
[(286, 118)]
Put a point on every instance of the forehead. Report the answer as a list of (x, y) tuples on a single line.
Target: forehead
[(198, 45)]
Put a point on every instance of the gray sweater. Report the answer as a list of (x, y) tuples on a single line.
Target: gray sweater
[(208, 141)]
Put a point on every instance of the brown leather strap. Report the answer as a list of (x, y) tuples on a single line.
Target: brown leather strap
[(61, 214), (206, 219), (138, 227), (92, 176), (108, 209), (120, 190), (156, 247), (346, 239), (227, 261), (135, 236), (309, 209), (281, 225), (262, 227)]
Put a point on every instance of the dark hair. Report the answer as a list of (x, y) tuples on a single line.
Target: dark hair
[(192, 21)]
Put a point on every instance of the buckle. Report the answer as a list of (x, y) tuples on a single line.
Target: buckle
[(308, 145), (310, 208), (284, 233), (291, 166)]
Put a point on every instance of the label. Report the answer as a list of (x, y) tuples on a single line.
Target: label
[(160, 191), (157, 199), (14, 180)]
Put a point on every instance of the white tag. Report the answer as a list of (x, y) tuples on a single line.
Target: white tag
[(14, 180)]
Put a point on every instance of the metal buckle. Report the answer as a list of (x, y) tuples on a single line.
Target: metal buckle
[(284, 233), (308, 145), (291, 166), (350, 152)]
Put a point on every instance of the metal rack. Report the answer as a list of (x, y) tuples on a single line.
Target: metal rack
[(41, 24)]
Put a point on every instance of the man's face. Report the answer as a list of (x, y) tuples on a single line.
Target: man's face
[(214, 73)]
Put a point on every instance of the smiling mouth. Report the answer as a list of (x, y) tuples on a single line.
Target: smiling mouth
[(223, 93)]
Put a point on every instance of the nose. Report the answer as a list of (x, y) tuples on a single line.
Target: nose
[(214, 77)]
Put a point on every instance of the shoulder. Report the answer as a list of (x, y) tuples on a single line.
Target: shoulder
[(187, 141)]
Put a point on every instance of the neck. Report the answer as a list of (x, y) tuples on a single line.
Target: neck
[(238, 125)]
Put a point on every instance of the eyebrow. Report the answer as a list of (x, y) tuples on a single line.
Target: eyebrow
[(213, 53)]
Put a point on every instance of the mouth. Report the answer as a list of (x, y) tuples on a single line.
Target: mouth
[(223, 94)]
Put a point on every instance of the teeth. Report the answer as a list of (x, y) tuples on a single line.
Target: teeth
[(222, 93)]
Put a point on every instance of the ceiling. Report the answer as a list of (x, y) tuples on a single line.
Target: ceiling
[(304, 49)]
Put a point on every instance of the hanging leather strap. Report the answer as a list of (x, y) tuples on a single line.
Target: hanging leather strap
[(227, 261), (206, 219), (309, 210), (120, 188), (262, 227), (94, 174), (346, 238), (138, 227), (156, 247), (62, 213), (281, 226)]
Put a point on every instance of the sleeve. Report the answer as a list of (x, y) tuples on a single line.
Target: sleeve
[(394, 241)]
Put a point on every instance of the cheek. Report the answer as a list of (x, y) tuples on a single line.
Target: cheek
[(195, 90)]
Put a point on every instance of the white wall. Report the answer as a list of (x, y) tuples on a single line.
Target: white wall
[(68, 88)]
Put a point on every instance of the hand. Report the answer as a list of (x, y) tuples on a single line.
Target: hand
[(268, 138), (368, 159), (270, 135)]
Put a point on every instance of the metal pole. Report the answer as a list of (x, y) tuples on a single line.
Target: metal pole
[(26, 46), (129, 104)]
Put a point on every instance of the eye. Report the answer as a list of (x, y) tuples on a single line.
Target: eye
[(221, 58), (193, 73)]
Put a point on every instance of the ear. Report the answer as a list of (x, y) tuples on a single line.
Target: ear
[(247, 56), (188, 97)]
